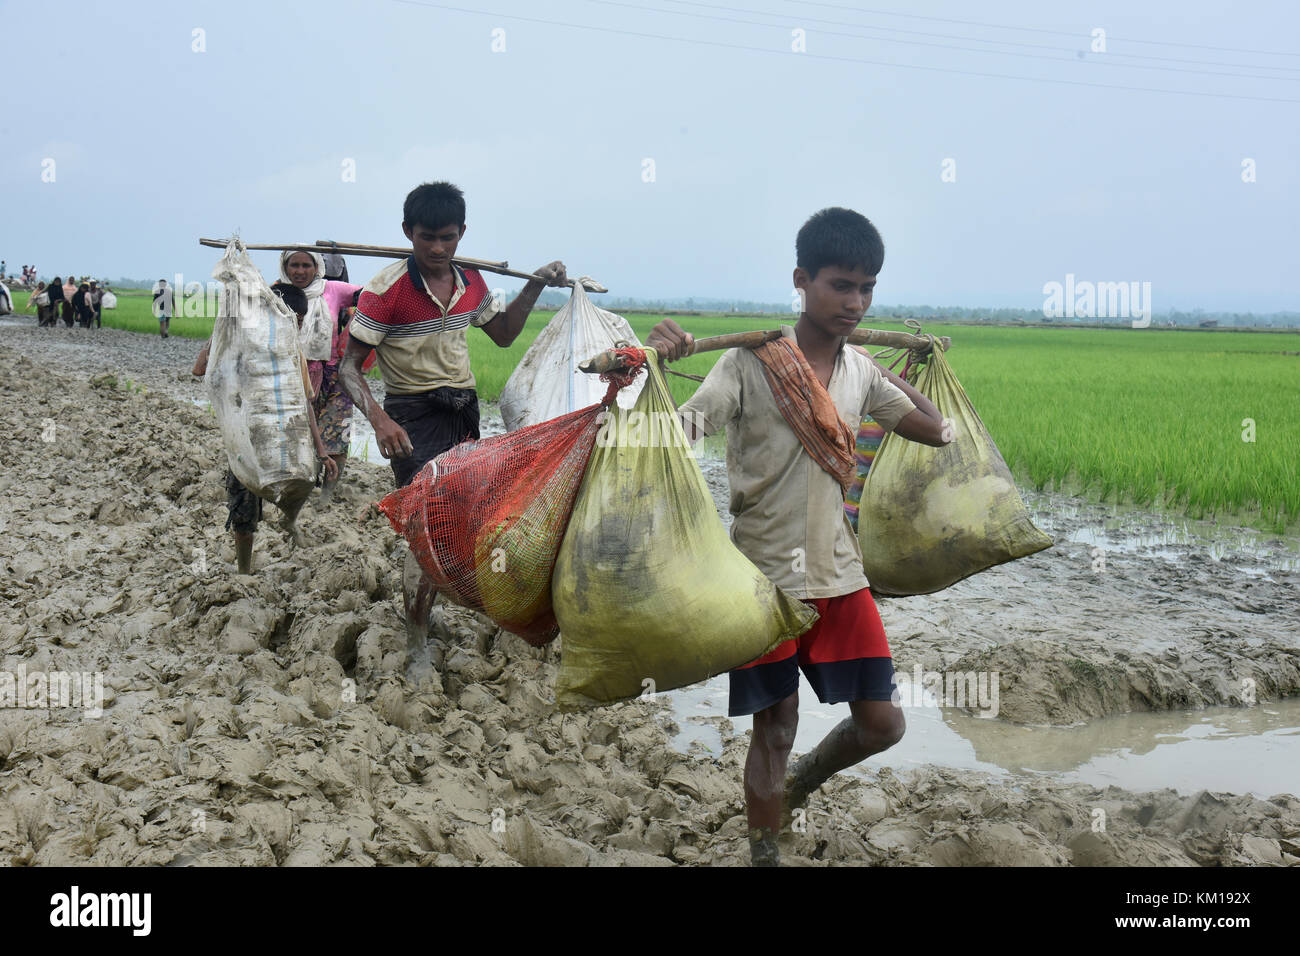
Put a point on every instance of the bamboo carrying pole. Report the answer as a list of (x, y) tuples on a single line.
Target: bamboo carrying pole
[(393, 252), (396, 252), (607, 361)]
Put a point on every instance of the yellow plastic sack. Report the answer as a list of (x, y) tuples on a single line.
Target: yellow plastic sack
[(932, 516), (649, 591)]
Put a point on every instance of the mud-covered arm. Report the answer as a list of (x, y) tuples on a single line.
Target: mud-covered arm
[(331, 469), (920, 401), (353, 380), (917, 426), (924, 424), (389, 436), (505, 326)]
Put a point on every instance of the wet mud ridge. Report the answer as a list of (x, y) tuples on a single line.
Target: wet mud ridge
[(281, 718)]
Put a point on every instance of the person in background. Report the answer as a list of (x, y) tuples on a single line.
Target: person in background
[(55, 290), (162, 306), (96, 294), (336, 267), (42, 308), (69, 290), (245, 508), (2, 268), (324, 346), (81, 306)]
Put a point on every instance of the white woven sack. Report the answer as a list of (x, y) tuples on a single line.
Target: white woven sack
[(547, 383), (255, 385)]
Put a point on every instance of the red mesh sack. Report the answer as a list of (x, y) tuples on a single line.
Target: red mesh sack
[(485, 519)]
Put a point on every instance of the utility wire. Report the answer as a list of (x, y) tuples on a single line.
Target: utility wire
[(837, 59), (944, 46), (974, 39), (1006, 26)]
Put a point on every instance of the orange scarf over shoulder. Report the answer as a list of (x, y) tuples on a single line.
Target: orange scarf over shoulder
[(807, 407)]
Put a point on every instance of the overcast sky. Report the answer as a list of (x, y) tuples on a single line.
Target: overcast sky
[(671, 148)]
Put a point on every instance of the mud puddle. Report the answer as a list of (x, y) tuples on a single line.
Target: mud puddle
[(1250, 552), (1250, 750)]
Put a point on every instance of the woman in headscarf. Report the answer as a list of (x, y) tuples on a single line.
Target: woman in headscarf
[(69, 290), (324, 340), (81, 305), (34, 302), (55, 290)]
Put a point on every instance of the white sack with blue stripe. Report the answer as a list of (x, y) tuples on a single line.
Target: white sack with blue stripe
[(255, 385)]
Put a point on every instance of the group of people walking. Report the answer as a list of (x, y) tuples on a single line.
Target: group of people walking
[(79, 303), (28, 276)]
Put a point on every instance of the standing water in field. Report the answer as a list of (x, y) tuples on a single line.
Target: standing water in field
[(255, 384)]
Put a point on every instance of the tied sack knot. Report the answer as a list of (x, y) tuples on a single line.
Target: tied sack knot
[(633, 365)]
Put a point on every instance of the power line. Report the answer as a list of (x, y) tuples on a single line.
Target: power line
[(973, 39), (1005, 26), (943, 46), (838, 59)]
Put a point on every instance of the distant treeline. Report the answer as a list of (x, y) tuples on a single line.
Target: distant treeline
[(554, 299)]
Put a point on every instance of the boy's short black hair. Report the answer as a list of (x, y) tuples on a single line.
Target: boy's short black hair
[(293, 297), (839, 237), (434, 205)]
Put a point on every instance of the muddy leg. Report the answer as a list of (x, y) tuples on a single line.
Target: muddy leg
[(290, 521), (244, 551), (417, 596), (769, 750), (875, 726)]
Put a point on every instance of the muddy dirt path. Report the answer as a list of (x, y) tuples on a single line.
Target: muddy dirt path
[(280, 718)]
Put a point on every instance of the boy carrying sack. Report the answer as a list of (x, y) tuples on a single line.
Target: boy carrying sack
[(791, 409)]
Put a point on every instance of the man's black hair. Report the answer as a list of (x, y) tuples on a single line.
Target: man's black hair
[(293, 297), (839, 237), (434, 205)]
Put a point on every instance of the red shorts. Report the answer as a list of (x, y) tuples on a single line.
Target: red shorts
[(844, 655)]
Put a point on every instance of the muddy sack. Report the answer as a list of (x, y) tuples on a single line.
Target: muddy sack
[(547, 383), (649, 591), (255, 385), (932, 516)]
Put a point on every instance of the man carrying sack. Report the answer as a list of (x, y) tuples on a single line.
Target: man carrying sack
[(415, 315)]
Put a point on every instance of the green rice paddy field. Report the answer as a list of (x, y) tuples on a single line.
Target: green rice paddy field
[(1146, 416)]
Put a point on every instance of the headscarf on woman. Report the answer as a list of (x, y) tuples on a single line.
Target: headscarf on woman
[(317, 331)]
